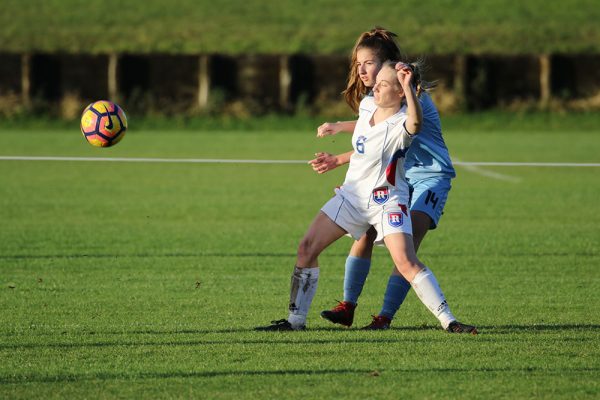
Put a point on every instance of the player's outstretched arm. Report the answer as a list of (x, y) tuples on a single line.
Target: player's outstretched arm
[(332, 128), (324, 162)]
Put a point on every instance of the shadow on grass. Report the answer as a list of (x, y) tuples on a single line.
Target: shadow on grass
[(104, 376), (492, 329), (276, 339), (302, 337), (259, 254)]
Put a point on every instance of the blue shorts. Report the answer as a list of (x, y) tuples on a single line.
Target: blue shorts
[(429, 196)]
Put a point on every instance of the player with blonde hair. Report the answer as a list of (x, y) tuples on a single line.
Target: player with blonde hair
[(374, 194), (428, 168)]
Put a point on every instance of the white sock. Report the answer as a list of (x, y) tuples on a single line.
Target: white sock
[(303, 289), (429, 292)]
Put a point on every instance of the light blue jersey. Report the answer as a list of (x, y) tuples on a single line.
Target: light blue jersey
[(428, 155)]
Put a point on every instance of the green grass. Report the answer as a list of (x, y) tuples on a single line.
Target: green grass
[(541, 121), (127, 280), (288, 26)]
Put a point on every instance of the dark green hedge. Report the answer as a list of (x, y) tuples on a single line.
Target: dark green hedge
[(292, 26)]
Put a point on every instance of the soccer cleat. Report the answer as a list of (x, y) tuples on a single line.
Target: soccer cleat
[(342, 314), (457, 327), (279, 325), (379, 323)]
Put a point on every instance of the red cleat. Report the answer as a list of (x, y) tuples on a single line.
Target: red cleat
[(342, 314), (379, 322)]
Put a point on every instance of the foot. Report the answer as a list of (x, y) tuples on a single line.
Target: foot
[(457, 327), (342, 314), (379, 322), (279, 325)]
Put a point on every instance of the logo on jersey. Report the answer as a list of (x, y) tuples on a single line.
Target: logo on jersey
[(395, 219), (360, 144), (381, 194)]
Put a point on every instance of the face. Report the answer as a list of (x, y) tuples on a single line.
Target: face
[(387, 91), (367, 65)]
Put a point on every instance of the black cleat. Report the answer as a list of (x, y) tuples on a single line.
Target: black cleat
[(458, 327), (279, 325), (342, 314)]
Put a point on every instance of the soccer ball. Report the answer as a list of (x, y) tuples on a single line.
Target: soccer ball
[(103, 123)]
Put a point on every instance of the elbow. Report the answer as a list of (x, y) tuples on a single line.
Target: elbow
[(414, 127)]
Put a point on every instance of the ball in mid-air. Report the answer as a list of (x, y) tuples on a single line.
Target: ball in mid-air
[(103, 123)]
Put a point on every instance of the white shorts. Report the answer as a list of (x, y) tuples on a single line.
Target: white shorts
[(386, 219)]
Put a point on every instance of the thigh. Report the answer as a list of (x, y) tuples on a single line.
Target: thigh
[(421, 222), (429, 197), (363, 248), (322, 232)]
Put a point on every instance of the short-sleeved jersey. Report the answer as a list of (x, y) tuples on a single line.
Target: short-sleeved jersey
[(428, 155), (376, 172)]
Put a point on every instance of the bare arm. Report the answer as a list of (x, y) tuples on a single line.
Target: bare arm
[(324, 162), (414, 119), (332, 128)]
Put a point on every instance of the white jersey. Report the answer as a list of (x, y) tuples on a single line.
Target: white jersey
[(376, 175)]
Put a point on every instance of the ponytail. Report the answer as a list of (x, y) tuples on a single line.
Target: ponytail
[(383, 43)]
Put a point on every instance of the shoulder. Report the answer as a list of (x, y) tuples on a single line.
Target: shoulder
[(399, 117), (396, 123), (367, 104)]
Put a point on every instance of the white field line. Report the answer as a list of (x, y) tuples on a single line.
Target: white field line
[(475, 168), (151, 160), (239, 161), (489, 174)]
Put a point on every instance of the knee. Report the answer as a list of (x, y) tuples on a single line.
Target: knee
[(407, 267)]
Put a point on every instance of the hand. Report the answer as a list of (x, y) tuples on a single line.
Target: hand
[(324, 162), (405, 74), (328, 128)]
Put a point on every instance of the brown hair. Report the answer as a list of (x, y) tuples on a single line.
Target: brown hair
[(382, 42)]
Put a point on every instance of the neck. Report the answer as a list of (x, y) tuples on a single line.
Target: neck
[(383, 113)]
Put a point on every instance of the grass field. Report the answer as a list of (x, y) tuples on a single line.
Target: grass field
[(289, 26), (145, 280)]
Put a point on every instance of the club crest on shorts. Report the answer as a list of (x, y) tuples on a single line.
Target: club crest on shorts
[(395, 219), (381, 194)]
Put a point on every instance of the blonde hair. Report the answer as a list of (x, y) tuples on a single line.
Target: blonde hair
[(382, 43), (417, 67)]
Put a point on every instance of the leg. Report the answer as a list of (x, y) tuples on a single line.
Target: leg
[(321, 233), (357, 268), (397, 287), (402, 251), (421, 278), (363, 248), (420, 225), (358, 264)]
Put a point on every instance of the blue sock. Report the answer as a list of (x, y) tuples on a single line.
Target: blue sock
[(355, 276), (395, 293)]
